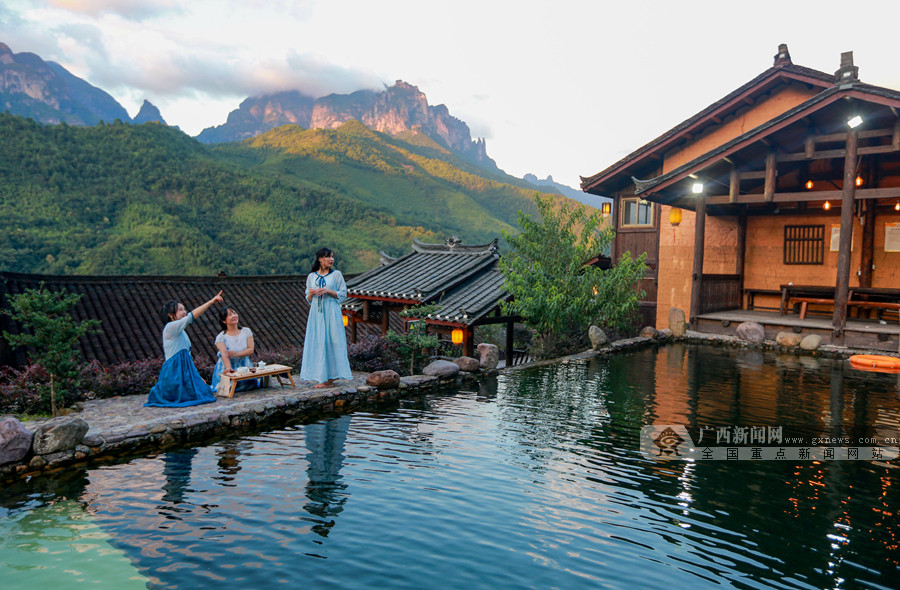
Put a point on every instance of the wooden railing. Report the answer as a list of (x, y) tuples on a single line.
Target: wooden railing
[(720, 292)]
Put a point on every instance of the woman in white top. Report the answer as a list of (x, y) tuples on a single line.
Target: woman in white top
[(235, 345)]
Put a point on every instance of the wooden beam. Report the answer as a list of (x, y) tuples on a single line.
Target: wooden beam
[(895, 139), (771, 173), (810, 147), (697, 274), (752, 175), (842, 280), (835, 195)]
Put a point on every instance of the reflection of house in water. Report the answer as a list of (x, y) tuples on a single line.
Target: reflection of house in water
[(324, 488)]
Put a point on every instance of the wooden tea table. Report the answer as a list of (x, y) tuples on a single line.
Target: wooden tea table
[(230, 380)]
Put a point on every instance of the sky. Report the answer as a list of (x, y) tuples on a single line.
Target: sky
[(563, 87)]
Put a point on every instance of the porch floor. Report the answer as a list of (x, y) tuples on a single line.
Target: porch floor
[(868, 333)]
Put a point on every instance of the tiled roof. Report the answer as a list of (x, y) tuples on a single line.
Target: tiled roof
[(426, 272), (463, 280), (274, 307), (472, 301)]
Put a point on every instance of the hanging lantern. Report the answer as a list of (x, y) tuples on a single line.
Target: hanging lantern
[(456, 336), (346, 320), (859, 181), (897, 206), (827, 205), (675, 216), (809, 184), (606, 209)]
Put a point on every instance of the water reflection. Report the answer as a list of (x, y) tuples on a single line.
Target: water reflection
[(325, 492)]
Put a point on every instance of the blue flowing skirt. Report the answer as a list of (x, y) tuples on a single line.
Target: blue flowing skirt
[(236, 363), (180, 384)]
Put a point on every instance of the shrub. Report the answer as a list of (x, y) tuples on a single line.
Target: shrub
[(24, 390), (375, 353)]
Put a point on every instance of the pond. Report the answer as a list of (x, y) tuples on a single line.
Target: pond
[(535, 480)]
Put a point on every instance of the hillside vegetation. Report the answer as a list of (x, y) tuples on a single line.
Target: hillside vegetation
[(148, 199)]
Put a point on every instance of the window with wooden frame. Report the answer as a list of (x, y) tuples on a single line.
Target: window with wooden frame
[(804, 244), (636, 213)]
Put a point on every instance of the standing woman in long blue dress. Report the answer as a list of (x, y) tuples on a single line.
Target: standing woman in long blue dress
[(325, 347), (179, 382)]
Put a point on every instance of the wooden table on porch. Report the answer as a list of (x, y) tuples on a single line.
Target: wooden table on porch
[(229, 381)]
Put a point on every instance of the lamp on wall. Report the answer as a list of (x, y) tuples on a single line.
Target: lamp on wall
[(697, 188), (854, 121), (675, 216), (456, 336)]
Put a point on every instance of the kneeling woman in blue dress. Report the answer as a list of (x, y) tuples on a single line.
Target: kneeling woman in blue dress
[(179, 382), (235, 345)]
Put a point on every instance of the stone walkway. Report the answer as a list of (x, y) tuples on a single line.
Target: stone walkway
[(123, 414)]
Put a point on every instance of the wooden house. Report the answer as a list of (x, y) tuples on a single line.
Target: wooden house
[(462, 281), (783, 196)]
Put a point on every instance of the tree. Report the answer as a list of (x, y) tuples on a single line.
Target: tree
[(51, 333), (552, 289)]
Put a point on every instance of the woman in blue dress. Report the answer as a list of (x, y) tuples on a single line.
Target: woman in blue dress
[(235, 345), (325, 347), (179, 382)]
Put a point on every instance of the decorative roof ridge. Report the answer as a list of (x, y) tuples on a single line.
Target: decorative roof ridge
[(455, 246)]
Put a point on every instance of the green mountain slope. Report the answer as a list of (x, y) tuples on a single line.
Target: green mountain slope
[(147, 199)]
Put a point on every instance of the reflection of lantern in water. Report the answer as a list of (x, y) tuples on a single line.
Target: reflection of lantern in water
[(456, 336)]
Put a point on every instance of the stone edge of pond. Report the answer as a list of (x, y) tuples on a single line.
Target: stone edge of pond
[(64, 442)]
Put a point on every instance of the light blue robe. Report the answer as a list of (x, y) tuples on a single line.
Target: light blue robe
[(325, 346), (179, 382)]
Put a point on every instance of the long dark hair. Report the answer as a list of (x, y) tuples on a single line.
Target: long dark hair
[(223, 315), (169, 309), (322, 253)]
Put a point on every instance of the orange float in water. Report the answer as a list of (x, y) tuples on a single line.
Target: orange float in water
[(875, 362)]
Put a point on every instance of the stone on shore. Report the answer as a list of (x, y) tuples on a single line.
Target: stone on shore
[(811, 342), (490, 356), (598, 337), (468, 364), (59, 435), (788, 339), (677, 321), (751, 332), (386, 379), (649, 332), (441, 369), (15, 440)]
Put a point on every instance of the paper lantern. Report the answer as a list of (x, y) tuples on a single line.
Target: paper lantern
[(675, 216), (456, 336)]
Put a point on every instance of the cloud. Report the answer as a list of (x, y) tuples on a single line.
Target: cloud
[(128, 9)]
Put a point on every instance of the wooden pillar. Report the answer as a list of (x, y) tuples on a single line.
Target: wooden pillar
[(734, 185), (697, 276), (352, 329), (385, 318), (741, 247), (468, 341), (867, 256), (842, 282), (510, 326), (771, 174)]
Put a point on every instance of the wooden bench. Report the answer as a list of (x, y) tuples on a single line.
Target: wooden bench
[(805, 301), (876, 305), (751, 297), (229, 381)]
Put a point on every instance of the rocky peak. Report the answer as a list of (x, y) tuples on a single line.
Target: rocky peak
[(397, 109), (149, 114)]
